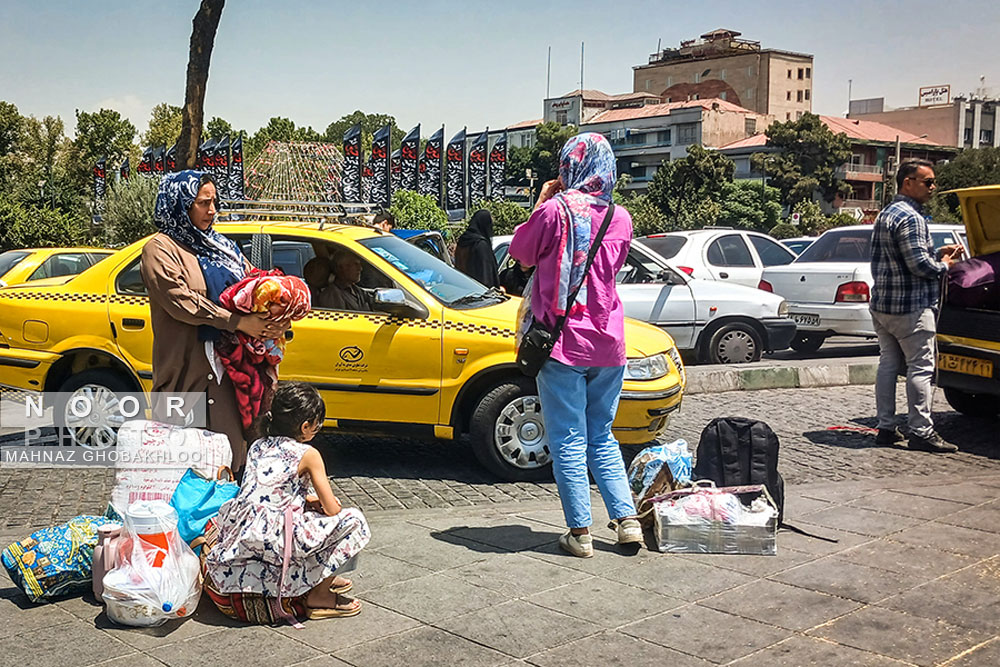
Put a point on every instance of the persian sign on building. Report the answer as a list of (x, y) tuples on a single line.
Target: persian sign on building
[(935, 95)]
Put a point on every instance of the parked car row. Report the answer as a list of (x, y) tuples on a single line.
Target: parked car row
[(26, 265)]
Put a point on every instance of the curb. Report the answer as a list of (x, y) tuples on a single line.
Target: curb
[(716, 379)]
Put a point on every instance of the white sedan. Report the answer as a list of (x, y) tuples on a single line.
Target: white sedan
[(828, 286), (718, 322)]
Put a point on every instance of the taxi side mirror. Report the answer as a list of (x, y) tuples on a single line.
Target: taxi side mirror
[(395, 301)]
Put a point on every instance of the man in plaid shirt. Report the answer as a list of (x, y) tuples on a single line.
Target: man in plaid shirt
[(907, 282)]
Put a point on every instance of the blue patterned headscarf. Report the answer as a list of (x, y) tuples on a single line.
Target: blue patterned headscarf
[(587, 170), (220, 258)]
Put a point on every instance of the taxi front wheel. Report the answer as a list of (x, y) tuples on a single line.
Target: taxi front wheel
[(508, 432), (89, 407), (986, 406)]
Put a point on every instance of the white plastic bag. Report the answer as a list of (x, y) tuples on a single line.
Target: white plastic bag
[(159, 580), (152, 457)]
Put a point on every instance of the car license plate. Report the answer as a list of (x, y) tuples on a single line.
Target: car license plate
[(805, 320), (956, 363)]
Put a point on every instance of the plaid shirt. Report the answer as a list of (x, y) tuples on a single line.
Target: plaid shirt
[(906, 273)]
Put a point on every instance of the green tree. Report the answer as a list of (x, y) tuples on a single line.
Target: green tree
[(744, 208), (688, 191), (970, 168), (808, 155), (10, 134), (25, 226), (785, 230), (839, 220), (415, 211), (370, 124), (217, 128), (506, 215), (103, 133), (128, 214), (164, 126), (647, 218), (43, 176)]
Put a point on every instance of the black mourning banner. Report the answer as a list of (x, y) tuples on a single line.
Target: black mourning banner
[(432, 183), (206, 156), (145, 166), (158, 154), (498, 167), (455, 172), (124, 171), (100, 184), (221, 169), (395, 169), (379, 163), (170, 161), (352, 164), (409, 167), (477, 167), (236, 170)]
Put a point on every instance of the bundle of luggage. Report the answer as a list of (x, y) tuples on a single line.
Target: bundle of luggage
[(975, 283)]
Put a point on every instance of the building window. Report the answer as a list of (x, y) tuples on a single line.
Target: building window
[(695, 97), (635, 138), (722, 76), (670, 81), (663, 137), (789, 74), (750, 70), (697, 77), (798, 114), (562, 117), (809, 72), (798, 96), (788, 116), (722, 95), (687, 133), (968, 135), (750, 126), (788, 95), (647, 83), (801, 73), (807, 94), (749, 93)]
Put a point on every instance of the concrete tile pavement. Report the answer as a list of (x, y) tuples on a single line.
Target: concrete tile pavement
[(913, 579)]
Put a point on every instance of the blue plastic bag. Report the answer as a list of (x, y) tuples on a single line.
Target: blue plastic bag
[(647, 464), (197, 500)]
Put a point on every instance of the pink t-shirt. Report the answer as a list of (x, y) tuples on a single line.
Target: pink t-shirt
[(595, 337)]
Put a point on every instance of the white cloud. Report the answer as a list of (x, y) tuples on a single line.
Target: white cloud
[(129, 106)]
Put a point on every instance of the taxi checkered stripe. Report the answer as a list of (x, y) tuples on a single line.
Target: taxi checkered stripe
[(56, 296), (483, 329), (130, 299)]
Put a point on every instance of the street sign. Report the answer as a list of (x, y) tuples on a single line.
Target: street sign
[(795, 218), (934, 95)]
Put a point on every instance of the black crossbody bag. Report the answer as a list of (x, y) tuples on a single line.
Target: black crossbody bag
[(537, 343)]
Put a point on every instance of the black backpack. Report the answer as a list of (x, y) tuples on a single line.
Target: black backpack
[(735, 451)]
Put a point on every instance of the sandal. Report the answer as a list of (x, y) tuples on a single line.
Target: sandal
[(343, 588), (353, 609)]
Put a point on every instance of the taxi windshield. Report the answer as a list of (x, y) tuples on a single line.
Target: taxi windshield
[(448, 285)]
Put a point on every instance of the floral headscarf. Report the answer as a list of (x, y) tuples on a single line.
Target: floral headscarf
[(220, 259), (587, 170)]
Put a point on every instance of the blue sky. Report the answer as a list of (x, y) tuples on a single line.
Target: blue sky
[(458, 63)]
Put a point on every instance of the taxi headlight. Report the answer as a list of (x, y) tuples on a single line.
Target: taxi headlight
[(783, 309), (647, 368)]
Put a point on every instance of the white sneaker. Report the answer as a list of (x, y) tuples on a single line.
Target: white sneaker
[(581, 546), (629, 531)]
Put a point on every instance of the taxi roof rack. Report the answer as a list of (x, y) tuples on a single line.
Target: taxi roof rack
[(348, 213)]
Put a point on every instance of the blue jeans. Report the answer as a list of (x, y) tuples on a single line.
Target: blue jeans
[(578, 405)]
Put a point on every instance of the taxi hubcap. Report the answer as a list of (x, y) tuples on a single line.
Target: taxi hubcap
[(520, 434), (96, 416)]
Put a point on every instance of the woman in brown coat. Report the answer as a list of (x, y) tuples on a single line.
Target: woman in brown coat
[(185, 268)]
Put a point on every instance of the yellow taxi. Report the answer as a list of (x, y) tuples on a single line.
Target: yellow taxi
[(969, 338), (433, 358), (27, 264)]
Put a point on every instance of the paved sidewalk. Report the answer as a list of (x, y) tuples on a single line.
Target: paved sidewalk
[(914, 579)]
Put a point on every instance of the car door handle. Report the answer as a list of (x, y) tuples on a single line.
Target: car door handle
[(133, 323), (723, 275)]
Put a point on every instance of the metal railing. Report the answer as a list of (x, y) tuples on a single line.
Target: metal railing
[(845, 169), (864, 204)]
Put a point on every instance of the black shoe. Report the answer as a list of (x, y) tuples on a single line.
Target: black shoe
[(932, 443), (889, 436)]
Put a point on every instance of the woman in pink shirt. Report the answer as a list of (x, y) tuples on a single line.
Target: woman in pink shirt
[(580, 384)]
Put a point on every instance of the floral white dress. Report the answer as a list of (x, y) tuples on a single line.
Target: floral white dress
[(249, 555)]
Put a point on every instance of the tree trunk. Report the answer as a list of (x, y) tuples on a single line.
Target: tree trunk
[(205, 24)]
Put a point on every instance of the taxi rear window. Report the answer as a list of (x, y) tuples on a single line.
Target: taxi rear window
[(10, 259)]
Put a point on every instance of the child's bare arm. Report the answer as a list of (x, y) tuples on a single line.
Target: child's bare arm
[(312, 463)]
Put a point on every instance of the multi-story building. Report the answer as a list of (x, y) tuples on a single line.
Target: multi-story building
[(719, 65), (580, 106), (963, 122), (644, 137), (873, 149)]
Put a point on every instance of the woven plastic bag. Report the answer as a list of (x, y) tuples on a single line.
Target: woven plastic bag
[(159, 581)]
